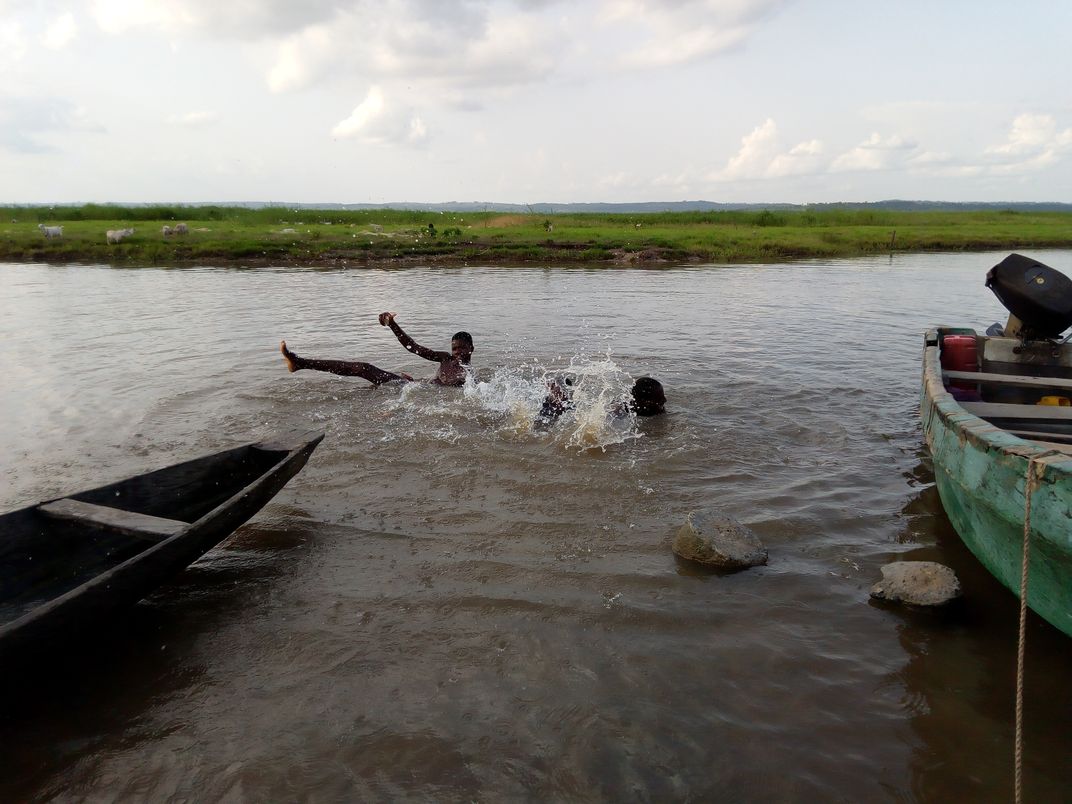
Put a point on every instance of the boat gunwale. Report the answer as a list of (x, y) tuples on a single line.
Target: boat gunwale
[(291, 451), (998, 546)]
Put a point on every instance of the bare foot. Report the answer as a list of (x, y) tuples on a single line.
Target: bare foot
[(289, 356)]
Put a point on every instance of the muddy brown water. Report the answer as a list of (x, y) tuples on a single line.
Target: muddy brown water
[(447, 605)]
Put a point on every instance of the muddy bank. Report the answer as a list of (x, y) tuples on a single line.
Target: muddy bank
[(563, 254)]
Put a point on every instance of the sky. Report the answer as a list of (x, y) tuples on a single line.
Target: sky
[(534, 101)]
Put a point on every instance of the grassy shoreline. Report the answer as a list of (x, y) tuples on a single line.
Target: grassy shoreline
[(280, 236)]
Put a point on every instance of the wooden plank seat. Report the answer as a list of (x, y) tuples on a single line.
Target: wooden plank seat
[(1002, 410), (1040, 435), (129, 523), (1009, 379)]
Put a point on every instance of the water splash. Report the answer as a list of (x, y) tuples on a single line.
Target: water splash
[(597, 416), (506, 404)]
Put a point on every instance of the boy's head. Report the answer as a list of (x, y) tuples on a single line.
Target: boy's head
[(648, 397), (461, 346)]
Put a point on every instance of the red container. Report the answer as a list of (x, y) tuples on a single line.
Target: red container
[(960, 353)]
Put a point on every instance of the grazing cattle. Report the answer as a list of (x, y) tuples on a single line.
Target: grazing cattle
[(117, 235), (50, 231), (167, 231), (181, 229)]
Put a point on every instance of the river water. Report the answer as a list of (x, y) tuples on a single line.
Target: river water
[(449, 605)]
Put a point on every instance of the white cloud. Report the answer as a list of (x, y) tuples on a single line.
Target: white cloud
[(674, 186), (25, 123), (60, 32), (120, 16), (761, 155), (375, 122), (192, 119), (930, 158), (1032, 134), (231, 19), (301, 58), (614, 180), (875, 153), (799, 160), (513, 51), (1034, 142), (668, 33), (12, 44), (757, 150), (451, 45), (940, 164)]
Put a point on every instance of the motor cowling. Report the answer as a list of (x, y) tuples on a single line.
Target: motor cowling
[(1038, 295)]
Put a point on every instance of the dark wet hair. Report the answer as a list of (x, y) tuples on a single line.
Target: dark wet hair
[(464, 337), (649, 398), (648, 388)]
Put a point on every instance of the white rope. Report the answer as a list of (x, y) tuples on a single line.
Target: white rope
[(1029, 486)]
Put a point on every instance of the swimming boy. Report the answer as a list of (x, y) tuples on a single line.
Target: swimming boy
[(452, 364), (647, 398)]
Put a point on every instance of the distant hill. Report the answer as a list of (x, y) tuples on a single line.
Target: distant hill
[(546, 208)]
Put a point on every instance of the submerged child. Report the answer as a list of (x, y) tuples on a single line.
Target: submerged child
[(452, 365), (647, 398)]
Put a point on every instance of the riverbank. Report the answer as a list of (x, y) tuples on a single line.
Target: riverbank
[(282, 236)]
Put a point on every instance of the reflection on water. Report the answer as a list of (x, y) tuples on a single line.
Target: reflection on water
[(958, 685), (448, 603)]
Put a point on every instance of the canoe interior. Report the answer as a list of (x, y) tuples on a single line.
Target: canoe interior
[(1009, 402), (43, 557), (981, 467)]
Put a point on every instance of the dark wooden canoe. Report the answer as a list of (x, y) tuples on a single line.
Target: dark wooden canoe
[(67, 563)]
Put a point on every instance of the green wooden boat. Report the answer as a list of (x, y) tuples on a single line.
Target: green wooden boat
[(983, 425)]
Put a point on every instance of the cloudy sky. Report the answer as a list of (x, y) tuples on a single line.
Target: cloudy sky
[(531, 101)]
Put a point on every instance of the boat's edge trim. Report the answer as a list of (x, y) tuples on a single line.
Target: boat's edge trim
[(299, 453)]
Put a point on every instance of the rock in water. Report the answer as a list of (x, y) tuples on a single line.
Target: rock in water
[(718, 540), (918, 583)]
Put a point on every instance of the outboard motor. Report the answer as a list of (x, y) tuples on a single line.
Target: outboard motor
[(1038, 297)]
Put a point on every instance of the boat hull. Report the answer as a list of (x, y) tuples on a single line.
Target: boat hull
[(980, 471), (54, 604)]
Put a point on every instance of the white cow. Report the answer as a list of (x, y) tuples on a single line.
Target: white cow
[(167, 231), (51, 231), (117, 235), (181, 229)]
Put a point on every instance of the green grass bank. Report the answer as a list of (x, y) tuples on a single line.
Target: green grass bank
[(281, 236)]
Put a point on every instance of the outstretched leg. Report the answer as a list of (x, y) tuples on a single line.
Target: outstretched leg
[(291, 359), (345, 368)]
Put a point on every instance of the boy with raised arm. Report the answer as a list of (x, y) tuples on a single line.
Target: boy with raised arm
[(452, 364)]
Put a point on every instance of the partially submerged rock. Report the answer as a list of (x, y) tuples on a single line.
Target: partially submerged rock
[(718, 540), (917, 583)]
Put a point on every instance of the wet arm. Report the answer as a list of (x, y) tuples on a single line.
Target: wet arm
[(416, 348)]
